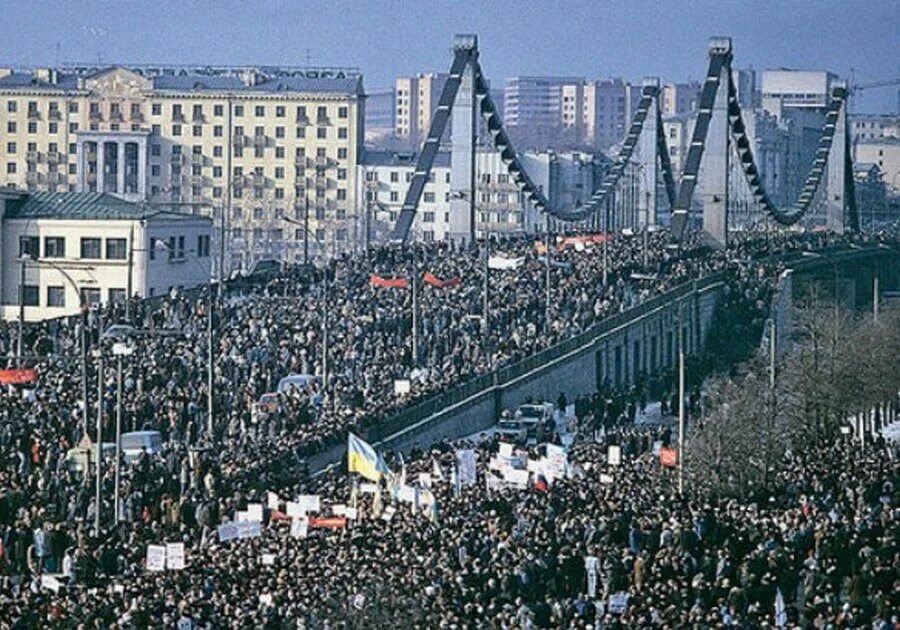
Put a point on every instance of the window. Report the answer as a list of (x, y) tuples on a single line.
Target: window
[(217, 131), (322, 112), (259, 111), (10, 168), (279, 111), (342, 154), (429, 197), (217, 151), (395, 176), (90, 296), (342, 173), (342, 112), (176, 130), (54, 247), (322, 133), (341, 194), (28, 246), (31, 295), (301, 132), (218, 110), (11, 107), (90, 247), (56, 296), (342, 133), (197, 130), (117, 296), (428, 217), (181, 247), (279, 132), (11, 126), (116, 249), (395, 196), (238, 110), (156, 109), (203, 246)]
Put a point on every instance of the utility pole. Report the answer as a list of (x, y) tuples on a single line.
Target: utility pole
[(606, 244), (118, 433), (414, 279), (84, 378), (875, 296), (325, 326), (22, 262), (99, 441), (129, 280), (210, 368), (486, 314), (680, 403), (547, 282), (305, 228)]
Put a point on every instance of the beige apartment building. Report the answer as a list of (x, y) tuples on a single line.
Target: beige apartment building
[(254, 148)]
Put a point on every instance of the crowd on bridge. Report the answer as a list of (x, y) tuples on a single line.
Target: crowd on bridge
[(47, 510)]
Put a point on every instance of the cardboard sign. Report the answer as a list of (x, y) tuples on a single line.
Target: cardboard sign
[(465, 461), (294, 509), (424, 480), (273, 502), (368, 488), (309, 502), (249, 529), (255, 512), (228, 531), (156, 557), (618, 603), (175, 556), (517, 478), (401, 386), (668, 457), (300, 527), (268, 559), (606, 479), (50, 582), (506, 450), (614, 455)]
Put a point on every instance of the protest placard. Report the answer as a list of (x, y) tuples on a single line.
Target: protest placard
[(465, 461), (249, 529), (50, 582), (618, 603), (294, 509), (228, 531), (606, 479), (614, 455), (268, 559), (255, 512), (273, 502), (300, 527), (156, 557), (175, 555), (309, 503), (506, 450)]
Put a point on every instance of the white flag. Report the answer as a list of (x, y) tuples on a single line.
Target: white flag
[(436, 471)]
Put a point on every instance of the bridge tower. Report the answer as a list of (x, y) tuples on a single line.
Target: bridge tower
[(463, 135), (649, 160), (713, 186), (840, 169)]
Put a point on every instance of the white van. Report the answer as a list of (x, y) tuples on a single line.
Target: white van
[(136, 442)]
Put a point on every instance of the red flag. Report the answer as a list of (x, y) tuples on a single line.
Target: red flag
[(434, 281), (668, 457), (388, 283), (17, 377)]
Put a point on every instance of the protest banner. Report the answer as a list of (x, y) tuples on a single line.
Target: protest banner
[(300, 527), (255, 512), (175, 556), (273, 502), (465, 460), (249, 529), (402, 386), (50, 582), (268, 559), (309, 502), (618, 603), (606, 479), (17, 377), (332, 522), (517, 478), (156, 557), (294, 509)]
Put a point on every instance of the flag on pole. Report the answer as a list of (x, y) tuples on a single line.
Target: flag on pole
[(362, 459)]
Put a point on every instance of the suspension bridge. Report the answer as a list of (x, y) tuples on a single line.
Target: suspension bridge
[(703, 197)]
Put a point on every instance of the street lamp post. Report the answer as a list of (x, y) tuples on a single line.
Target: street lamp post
[(22, 262), (324, 315)]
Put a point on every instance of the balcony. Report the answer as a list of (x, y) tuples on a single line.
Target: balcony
[(54, 114), (260, 141), (302, 119), (177, 117), (259, 181), (300, 180), (323, 121), (177, 158), (137, 117), (34, 114), (116, 116), (55, 157), (56, 178), (96, 115), (198, 118), (33, 177)]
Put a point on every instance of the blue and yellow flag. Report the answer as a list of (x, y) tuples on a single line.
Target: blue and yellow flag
[(362, 459)]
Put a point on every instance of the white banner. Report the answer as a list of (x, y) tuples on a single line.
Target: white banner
[(466, 464), (503, 263), (272, 501), (309, 502), (614, 455), (255, 512), (228, 531), (249, 529), (300, 527)]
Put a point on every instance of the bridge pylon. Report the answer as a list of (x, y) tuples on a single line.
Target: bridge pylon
[(713, 187), (837, 190)]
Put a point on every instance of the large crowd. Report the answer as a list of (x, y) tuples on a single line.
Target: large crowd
[(503, 556)]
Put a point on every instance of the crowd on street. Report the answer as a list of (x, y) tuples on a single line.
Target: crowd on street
[(499, 557)]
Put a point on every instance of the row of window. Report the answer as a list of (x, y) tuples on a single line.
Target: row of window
[(277, 234), (56, 296), (259, 111), (116, 248), (219, 131)]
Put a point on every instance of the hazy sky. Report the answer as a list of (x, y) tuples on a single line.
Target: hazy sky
[(386, 38)]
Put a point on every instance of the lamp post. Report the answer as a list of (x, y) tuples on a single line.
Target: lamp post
[(22, 262), (324, 314)]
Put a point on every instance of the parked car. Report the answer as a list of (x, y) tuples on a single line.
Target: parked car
[(511, 430), (136, 442)]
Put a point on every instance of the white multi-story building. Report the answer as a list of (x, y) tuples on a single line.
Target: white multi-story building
[(786, 88), (568, 179), (865, 127), (885, 154), (70, 247), (415, 101)]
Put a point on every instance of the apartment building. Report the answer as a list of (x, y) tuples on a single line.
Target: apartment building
[(568, 179), (415, 101), (865, 127), (679, 98), (59, 249), (251, 147)]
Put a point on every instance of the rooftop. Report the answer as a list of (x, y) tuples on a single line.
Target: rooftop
[(266, 80), (82, 206), (402, 158)]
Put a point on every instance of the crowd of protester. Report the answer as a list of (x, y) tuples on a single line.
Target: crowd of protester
[(47, 509)]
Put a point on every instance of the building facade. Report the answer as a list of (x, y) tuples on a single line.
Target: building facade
[(885, 154), (865, 127), (247, 146), (61, 248), (567, 178), (679, 99), (415, 101)]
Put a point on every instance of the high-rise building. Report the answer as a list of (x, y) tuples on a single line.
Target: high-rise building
[(679, 98), (415, 101), (607, 110), (535, 110), (795, 89), (249, 146)]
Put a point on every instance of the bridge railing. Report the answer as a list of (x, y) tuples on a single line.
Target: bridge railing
[(484, 384)]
